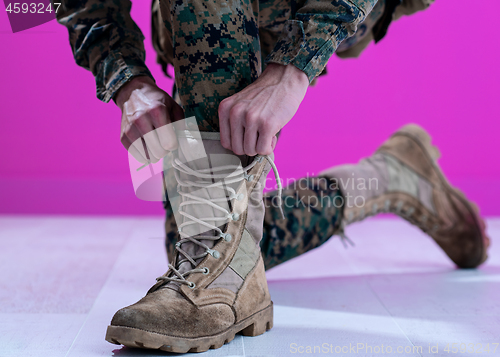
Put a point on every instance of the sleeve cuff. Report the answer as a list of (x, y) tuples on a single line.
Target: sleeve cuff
[(309, 55), (116, 70)]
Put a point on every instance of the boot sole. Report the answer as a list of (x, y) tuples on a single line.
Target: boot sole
[(253, 325), (423, 139)]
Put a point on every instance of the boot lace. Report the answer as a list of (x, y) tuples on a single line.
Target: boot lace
[(211, 178)]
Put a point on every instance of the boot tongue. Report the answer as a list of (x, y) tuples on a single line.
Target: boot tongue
[(198, 154)]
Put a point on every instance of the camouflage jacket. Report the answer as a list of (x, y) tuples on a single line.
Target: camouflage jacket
[(106, 41)]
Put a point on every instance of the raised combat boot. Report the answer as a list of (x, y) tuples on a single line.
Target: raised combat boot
[(216, 286), (403, 177)]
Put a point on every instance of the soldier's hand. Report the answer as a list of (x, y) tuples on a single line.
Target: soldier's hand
[(249, 120), (146, 111)]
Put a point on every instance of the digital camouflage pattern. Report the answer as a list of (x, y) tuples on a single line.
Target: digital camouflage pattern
[(364, 30), (311, 207), (312, 34), (313, 213), (216, 52)]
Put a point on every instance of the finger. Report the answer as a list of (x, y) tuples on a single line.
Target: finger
[(153, 144), (224, 125), (237, 137), (132, 150), (274, 142), (134, 136), (264, 143), (236, 118), (250, 140), (145, 126), (167, 137), (160, 120), (149, 154)]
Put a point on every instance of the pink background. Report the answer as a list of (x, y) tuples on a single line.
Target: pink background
[(60, 151)]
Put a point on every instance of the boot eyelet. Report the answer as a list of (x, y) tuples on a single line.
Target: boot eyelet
[(213, 253), (259, 159), (206, 271), (410, 211), (191, 285), (235, 216), (228, 237), (240, 197)]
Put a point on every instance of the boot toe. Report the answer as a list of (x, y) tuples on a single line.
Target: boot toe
[(167, 313), (129, 317)]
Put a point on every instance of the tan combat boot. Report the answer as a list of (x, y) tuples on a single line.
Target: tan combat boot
[(216, 287), (403, 177)]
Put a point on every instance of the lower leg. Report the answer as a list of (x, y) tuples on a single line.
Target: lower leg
[(214, 56), (403, 177), (312, 209)]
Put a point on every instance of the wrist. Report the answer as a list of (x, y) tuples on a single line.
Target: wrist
[(126, 90), (288, 73), (296, 74)]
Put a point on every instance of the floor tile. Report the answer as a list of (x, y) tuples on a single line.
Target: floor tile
[(466, 335), (440, 294), (38, 335), (57, 265)]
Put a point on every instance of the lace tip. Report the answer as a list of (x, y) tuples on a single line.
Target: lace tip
[(345, 239)]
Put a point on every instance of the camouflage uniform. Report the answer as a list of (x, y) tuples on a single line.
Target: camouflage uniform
[(217, 48)]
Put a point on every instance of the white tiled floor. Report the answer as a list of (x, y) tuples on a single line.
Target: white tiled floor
[(62, 278)]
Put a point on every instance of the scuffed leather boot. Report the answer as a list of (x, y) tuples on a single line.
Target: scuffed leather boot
[(403, 177), (216, 287)]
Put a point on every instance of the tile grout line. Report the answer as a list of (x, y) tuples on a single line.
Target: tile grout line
[(243, 345), (392, 317)]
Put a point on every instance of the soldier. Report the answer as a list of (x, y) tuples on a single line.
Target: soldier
[(242, 67)]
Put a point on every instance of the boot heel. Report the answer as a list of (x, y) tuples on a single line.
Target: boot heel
[(262, 322), (423, 137)]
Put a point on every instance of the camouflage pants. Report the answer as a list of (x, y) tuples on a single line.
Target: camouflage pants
[(244, 31)]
